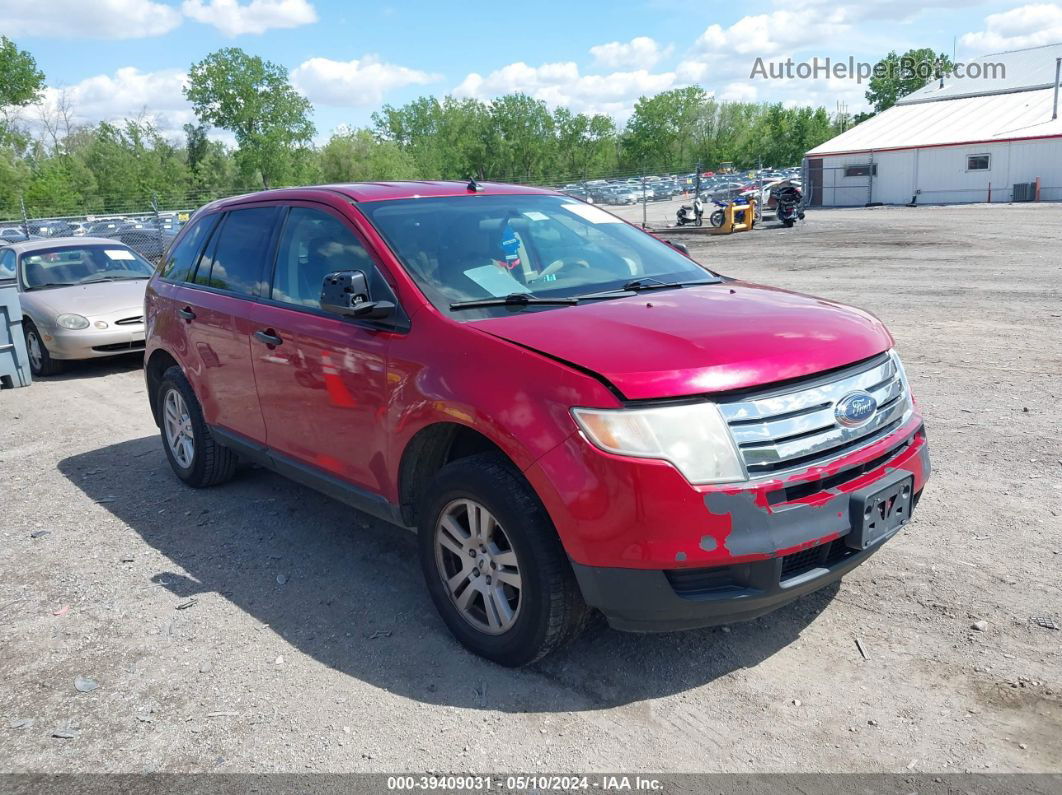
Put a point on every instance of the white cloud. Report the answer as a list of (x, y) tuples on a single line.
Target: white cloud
[(561, 84), (739, 92), (771, 34), (359, 82), (128, 93), (257, 16), (896, 10), (640, 52), (1026, 26), (98, 19)]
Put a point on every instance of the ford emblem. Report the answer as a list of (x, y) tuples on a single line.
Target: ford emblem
[(855, 408)]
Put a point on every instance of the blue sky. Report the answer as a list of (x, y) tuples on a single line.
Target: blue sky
[(122, 58)]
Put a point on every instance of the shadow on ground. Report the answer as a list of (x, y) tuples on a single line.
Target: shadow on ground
[(353, 599), (81, 369)]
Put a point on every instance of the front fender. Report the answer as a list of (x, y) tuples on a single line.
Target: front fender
[(519, 399)]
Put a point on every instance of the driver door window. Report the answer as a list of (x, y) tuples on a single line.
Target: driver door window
[(313, 245)]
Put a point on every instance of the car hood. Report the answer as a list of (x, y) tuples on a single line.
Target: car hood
[(91, 300), (698, 340)]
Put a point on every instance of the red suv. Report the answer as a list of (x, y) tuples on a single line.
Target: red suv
[(569, 412)]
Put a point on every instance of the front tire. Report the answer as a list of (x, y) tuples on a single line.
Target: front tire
[(40, 361), (493, 564), (194, 455)]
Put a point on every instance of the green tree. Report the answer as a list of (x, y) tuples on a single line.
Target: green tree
[(134, 163), (664, 131), (896, 76), (523, 128), (357, 156), (20, 79), (585, 144), (448, 139), (254, 100)]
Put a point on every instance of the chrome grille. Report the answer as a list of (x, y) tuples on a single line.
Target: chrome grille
[(129, 321), (785, 429)]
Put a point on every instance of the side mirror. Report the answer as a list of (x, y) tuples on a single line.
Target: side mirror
[(346, 293), (680, 247)]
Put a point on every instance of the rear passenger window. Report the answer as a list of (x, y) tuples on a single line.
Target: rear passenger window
[(180, 259), (313, 245), (238, 261)]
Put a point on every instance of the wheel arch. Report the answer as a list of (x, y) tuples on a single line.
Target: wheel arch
[(429, 450), (157, 364)]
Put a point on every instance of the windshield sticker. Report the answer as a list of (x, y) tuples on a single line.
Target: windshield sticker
[(591, 214), (494, 280), (535, 215), (118, 253)]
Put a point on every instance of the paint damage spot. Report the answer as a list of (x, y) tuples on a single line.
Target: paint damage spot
[(758, 531), (680, 556), (708, 544)]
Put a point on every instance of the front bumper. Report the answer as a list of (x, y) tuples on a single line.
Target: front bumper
[(638, 600), (91, 343)]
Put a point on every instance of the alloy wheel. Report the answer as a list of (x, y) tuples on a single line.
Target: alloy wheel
[(36, 353), (177, 423), (478, 566)]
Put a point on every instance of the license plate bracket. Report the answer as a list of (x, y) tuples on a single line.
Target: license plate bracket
[(878, 511)]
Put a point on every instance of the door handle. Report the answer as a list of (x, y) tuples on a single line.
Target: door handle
[(269, 337), (186, 313)]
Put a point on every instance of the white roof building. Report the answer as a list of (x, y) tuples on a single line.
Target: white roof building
[(967, 139)]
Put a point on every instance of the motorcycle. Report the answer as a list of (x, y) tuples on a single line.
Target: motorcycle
[(790, 204), (718, 216), (690, 214)]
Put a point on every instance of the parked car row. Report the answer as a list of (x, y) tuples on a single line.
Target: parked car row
[(633, 190), (147, 235)]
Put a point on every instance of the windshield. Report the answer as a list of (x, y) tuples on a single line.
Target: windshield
[(472, 248), (69, 265)]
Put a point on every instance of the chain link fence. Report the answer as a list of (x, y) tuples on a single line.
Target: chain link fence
[(149, 231), (150, 226)]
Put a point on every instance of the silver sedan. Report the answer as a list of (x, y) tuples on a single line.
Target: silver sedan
[(82, 298)]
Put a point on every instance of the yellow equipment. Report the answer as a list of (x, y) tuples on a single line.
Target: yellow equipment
[(731, 224)]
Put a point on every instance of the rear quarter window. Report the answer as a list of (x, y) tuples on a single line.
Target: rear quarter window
[(181, 259)]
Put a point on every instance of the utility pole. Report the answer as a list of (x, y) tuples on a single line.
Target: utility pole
[(1058, 69), (644, 210)]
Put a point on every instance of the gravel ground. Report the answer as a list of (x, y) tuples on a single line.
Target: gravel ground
[(261, 627)]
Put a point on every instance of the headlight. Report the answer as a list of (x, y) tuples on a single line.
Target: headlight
[(73, 322), (908, 394), (693, 437)]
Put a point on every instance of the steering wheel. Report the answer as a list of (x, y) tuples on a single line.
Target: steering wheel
[(562, 264)]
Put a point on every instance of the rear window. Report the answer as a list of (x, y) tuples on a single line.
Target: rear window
[(238, 261)]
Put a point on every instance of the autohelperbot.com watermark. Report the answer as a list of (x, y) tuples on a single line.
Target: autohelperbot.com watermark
[(862, 71)]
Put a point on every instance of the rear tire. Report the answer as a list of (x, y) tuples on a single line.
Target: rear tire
[(493, 563), (40, 361), (194, 455)]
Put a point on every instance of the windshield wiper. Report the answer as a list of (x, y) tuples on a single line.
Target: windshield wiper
[(639, 285), (51, 284), (113, 279), (513, 299)]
